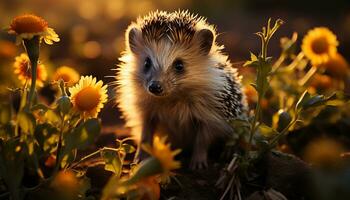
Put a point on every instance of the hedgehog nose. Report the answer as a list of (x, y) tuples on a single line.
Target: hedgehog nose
[(155, 87)]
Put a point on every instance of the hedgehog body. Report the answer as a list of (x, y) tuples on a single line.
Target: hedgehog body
[(173, 79)]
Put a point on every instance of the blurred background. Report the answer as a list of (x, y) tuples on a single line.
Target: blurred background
[(92, 38), (92, 31)]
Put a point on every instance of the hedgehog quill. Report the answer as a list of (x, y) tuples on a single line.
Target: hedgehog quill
[(174, 80)]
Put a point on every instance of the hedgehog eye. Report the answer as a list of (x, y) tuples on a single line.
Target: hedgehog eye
[(178, 65), (148, 64)]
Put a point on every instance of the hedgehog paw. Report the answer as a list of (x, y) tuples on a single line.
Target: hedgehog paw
[(198, 162)]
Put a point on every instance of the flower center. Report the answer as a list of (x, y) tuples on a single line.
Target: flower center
[(28, 24), (320, 45), (87, 99)]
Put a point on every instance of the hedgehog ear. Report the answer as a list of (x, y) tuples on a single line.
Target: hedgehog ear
[(205, 37), (133, 36)]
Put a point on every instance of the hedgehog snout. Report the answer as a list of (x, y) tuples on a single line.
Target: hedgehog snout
[(155, 87)]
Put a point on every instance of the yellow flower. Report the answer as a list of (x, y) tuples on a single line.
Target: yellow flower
[(69, 75), (337, 66), (163, 153), (27, 26), (23, 71), (319, 44), (66, 184), (88, 96), (149, 188)]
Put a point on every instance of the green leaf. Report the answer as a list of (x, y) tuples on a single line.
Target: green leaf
[(266, 131), (302, 99), (269, 60), (83, 135), (149, 167), (47, 137), (284, 119), (52, 118), (23, 98), (30, 142), (307, 101), (254, 61), (40, 106), (314, 101), (336, 99), (253, 57), (31, 150), (127, 148), (109, 190), (67, 159), (26, 121), (64, 105), (254, 86), (263, 71), (241, 127), (113, 162), (335, 103), (239, 123)]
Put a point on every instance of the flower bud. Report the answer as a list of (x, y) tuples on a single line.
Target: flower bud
[(64, 105)]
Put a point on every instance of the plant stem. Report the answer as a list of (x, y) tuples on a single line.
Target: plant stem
[(283, 132), (86, 157), (59, 146), (308, 76), (296, 61), (263, 71), (228, 187), (93, 154), (32, 48), (264, 50), (32, 85), (278, 63), (253, 125)]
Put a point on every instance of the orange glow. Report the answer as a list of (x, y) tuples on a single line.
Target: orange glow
[(28, 24)]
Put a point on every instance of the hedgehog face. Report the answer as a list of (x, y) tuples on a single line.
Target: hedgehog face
[(167, 67), (169, 54), (161, 71)]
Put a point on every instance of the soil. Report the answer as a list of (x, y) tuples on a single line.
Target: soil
[(280, 173)]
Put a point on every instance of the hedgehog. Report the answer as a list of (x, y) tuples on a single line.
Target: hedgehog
[(174, 80)]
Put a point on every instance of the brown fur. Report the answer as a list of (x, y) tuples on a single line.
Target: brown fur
[(189, 110)]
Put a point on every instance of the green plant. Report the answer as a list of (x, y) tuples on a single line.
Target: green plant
[(43, 141), (293, 107)]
